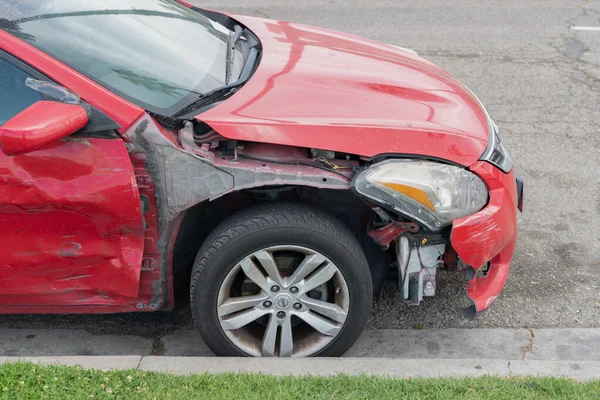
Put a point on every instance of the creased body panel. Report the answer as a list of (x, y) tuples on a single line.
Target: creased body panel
[(489, 235), (71, 222)]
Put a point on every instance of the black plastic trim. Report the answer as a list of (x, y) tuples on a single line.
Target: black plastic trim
[(23, 66), (216, 16), (520, 189)]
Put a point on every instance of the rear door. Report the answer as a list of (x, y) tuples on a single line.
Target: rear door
[(71, 230)]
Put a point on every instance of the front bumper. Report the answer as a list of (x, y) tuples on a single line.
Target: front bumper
[(489, 235)]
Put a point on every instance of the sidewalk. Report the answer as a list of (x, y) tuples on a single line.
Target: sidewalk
[(573, 353)]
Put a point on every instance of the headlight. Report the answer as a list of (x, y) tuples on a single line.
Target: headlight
[(496, 153), (429, 192)]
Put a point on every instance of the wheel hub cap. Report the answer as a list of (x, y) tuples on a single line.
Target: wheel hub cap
[(283, 301)]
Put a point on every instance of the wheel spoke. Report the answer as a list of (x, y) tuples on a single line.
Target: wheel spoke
[(321, 324), (329, 310), (308, 265), (286, 344), (242, 319), (321, 276), (270, 338), (254, 274), (268, 263), (235, 304)]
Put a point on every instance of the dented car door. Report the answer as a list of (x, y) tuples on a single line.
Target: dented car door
[(72, 230)]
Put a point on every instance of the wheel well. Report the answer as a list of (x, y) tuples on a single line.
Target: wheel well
[(200, 220)]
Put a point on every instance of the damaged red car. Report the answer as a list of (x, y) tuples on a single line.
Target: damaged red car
[(276, 174)]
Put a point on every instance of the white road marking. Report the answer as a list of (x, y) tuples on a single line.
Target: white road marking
[(585, 28)]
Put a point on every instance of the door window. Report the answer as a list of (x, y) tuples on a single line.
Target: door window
[(15, 96)]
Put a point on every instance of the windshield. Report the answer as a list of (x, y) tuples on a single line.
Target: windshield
[(157, 54)]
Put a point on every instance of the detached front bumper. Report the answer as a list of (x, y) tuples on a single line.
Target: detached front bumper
[(489, 235)]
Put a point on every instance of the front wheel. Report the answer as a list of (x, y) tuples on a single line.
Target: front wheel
[(281, 280)]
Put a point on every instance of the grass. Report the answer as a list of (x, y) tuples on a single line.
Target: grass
[(29, 381)]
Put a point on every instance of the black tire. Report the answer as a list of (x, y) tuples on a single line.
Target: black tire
[(278, 224)]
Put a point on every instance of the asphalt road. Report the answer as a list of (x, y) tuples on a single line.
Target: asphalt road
[(540, 80)]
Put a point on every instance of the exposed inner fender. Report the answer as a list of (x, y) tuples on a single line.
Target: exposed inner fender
[(186, 175), (190, 174)]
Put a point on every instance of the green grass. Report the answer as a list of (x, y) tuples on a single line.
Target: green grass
[(29, 381)]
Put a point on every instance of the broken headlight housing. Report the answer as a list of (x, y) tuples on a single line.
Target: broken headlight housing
[(431, 193)]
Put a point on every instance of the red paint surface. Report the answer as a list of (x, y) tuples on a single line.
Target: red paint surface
[(71, 225), (321, 89), (489, 235), (42, 123)]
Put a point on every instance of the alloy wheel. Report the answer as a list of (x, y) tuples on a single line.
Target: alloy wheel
[(283, 301)]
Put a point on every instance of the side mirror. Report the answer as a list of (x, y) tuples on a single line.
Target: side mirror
[(42, 123)]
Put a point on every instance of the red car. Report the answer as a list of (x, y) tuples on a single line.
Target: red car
[(277, 173)]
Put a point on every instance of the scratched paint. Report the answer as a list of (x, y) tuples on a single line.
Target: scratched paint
[(489, 235), (71, 225)]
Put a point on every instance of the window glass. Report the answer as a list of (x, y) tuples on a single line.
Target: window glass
[(15, 96), (157, 54)]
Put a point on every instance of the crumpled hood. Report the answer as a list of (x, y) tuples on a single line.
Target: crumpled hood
[(322, 89)]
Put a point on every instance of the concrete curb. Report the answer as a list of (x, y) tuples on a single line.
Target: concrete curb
[(399, 368), (573, 353), (490, 344)]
